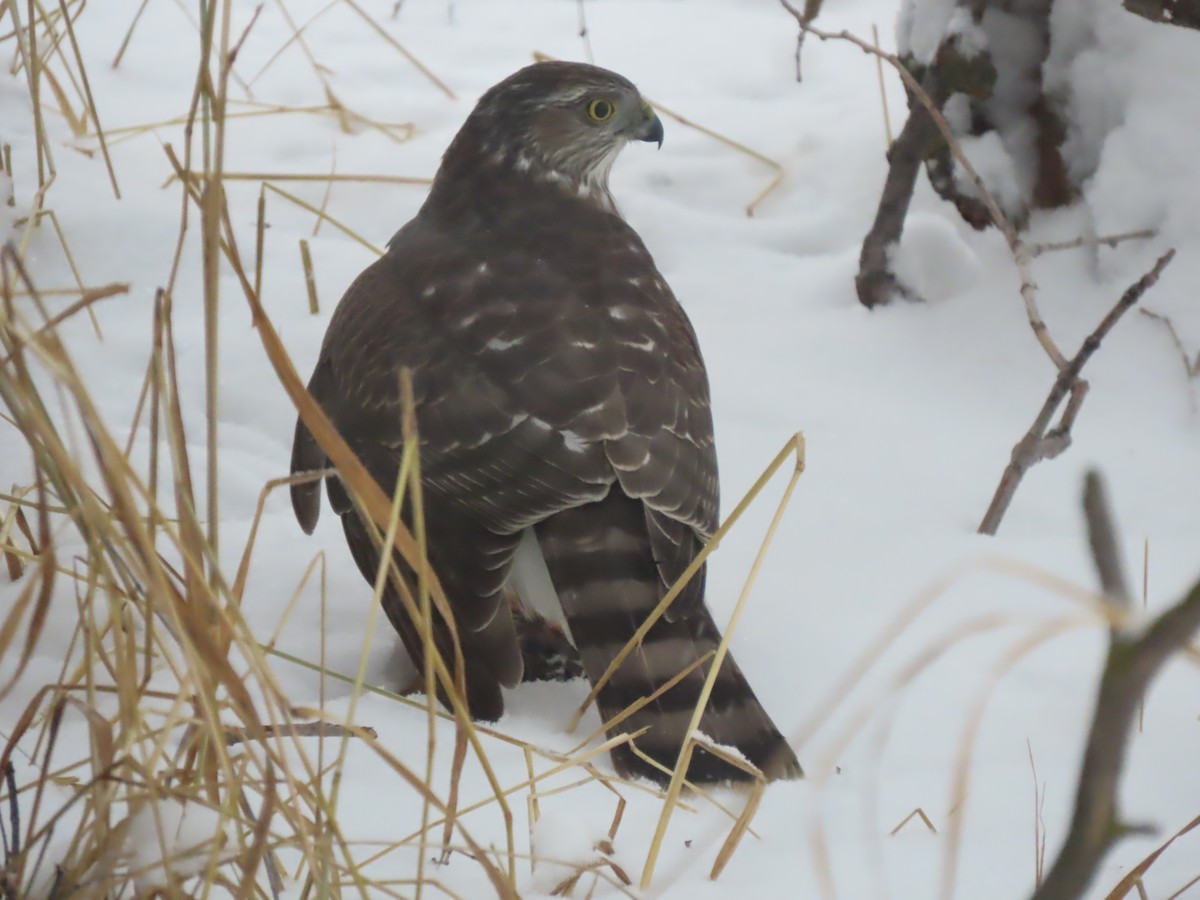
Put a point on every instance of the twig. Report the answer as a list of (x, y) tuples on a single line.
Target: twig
[(583, 32), (1106, 552), (1191, 368), (812, 9), (1107, 240), (297, 730), (1042, 442), (1131, 665), (876, 283)]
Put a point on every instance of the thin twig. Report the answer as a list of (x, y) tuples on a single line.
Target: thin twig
[(583, 32), (1105, 240), (876, 283), (299, 729), (1191, 369), (1043, 442)]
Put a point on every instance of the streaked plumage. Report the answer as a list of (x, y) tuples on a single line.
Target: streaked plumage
[(562, 406)]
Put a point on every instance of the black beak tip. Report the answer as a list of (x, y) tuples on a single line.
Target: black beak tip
[(654, 132)]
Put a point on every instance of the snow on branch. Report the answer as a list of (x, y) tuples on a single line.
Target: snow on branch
[(876, 282), (1185, 13)]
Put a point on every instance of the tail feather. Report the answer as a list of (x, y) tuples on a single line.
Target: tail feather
[(600, 560)]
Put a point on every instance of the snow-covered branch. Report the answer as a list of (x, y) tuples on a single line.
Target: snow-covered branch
[(1185, 13)]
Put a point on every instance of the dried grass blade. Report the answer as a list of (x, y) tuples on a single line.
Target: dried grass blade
[(91, 102), (796, 446), (421, 67)]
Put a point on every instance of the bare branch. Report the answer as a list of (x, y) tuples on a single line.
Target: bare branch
[(1191, 368), (300, 729), (1041, 441), (1102, 539), (876, 283), (1131, 665), (1107, 240), (1185, 13), (811, 10)]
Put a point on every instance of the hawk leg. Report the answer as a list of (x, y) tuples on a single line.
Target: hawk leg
[(548, 654)]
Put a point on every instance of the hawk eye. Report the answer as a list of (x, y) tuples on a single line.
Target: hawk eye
[(600, 110)]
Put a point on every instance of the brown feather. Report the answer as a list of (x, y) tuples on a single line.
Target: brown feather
[(558, 386)]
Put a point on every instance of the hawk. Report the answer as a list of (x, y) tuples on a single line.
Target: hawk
[(562, 407)]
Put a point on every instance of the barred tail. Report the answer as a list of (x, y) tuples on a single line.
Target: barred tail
[(603, 569)]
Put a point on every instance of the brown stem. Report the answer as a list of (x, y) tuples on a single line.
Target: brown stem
[(1040, 443), (298, 729), (1131, 665), (875, 282)]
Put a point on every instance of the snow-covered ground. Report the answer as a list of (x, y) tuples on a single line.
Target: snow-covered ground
[(909, 412)]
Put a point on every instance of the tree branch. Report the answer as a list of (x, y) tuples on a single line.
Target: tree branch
[(1102, 539), (1185, 13), (875, 276), (1131, 665), (875, 282), (1042, 442)]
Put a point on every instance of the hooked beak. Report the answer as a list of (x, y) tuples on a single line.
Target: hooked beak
[(651, 128)]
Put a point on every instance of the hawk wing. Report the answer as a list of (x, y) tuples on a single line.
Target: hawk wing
[(549, 362)]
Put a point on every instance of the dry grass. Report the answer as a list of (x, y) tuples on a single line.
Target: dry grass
[(185, 720), (177, 696)]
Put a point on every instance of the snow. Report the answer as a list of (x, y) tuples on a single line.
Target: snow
[(921, 27), (170, 840), (1001, 175), (910, 413), (932, 260), (970, 39)]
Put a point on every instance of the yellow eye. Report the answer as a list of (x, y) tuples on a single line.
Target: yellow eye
[(600, 110)]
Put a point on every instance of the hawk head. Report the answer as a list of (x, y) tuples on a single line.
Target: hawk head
[(561, 122)]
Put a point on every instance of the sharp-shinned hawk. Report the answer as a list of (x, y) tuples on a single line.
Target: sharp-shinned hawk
[(563, 412)]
